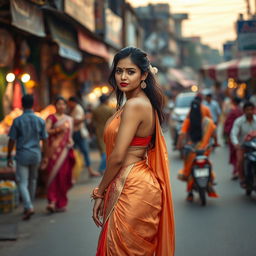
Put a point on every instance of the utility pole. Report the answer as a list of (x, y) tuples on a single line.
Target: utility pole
[(248, 7)]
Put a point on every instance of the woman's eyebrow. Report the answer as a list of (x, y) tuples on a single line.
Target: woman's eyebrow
[(126, 68)]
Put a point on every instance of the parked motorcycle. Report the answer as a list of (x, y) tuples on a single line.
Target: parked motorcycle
[(201, 172), (250, 165)]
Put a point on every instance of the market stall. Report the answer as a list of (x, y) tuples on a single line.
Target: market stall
[(239, 74)]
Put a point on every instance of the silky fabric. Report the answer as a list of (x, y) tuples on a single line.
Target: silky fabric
[(208, 128), (61, 162), (138, 214)]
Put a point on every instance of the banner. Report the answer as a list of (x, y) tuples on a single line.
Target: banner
[(66, 39), (114, 25), (82, 11), (27, 17)]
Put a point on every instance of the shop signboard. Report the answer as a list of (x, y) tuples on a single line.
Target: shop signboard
[(114, 25), (131, 33), (246, 30), (228, 51), (27, 17), (82, 11), (65, 38)]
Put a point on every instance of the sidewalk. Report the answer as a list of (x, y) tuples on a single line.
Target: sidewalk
[(11, 225)]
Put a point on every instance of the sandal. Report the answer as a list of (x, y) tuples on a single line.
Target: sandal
[(50, 208), (190, 197)]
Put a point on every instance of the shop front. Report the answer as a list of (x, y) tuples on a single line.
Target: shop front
[(238, 74)]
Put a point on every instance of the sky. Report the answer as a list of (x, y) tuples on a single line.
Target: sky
[(213, 20)]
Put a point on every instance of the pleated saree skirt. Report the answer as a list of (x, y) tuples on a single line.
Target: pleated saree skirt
[(132, 209)]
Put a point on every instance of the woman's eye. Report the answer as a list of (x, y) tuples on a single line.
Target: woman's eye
[(131, 72), (118, 71)]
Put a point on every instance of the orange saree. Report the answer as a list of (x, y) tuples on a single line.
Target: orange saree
[(208, 129), (138, 213)]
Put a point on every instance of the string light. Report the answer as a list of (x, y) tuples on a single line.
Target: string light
[(10, 77), (25, 78)]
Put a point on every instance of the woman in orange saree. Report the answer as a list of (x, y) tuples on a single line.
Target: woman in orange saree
[(199, 129), (134, 196)]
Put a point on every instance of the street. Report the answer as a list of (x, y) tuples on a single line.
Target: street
[(226, 226)]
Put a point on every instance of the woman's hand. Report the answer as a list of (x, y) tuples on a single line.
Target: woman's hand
[(44, 163), (97, 211)]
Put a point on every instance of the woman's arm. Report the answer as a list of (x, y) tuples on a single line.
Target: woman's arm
[(132, 117), (50, 129)]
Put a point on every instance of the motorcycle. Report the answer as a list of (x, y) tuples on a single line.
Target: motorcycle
[(250, 165), (201, 172)]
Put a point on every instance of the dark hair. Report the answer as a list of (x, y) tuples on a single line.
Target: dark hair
[(153, 91), (195, 116), (27, 101), (236, 100), (58, 98), (248, 104), (74, 99)]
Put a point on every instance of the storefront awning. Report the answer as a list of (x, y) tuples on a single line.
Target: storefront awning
[(240, 69), (66, 39), (92, 46), (178, 76)]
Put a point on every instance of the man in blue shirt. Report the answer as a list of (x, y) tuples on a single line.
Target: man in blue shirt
[(213, 106), (27, 131)]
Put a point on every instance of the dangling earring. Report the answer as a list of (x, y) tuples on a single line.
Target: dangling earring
[(143, 85)]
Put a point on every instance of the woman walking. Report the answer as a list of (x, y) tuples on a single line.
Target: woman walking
[(134, 194), (197, 130), (60, 157)]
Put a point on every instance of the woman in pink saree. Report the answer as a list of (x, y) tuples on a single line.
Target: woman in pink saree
[(133, 202), (60, 157)]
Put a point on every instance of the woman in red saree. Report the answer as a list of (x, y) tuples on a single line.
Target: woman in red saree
[(60, 157), (197, 130), (133, 203)]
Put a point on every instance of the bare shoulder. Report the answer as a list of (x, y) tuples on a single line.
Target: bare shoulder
[(138, 105)]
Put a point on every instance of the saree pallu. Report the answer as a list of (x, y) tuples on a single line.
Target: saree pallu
[(208, 130), (61, 162), (138, 215)]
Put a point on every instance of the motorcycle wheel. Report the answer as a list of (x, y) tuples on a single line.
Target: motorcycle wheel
[(202, 196)]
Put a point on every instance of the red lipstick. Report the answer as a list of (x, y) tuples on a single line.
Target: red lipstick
[(123, 84)]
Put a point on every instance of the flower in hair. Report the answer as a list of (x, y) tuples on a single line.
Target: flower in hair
[(153, 70)]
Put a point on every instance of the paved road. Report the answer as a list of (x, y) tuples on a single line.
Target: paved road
[(226, 227)]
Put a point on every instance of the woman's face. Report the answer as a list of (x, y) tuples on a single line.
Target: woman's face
[(61, 106), (128, 75)]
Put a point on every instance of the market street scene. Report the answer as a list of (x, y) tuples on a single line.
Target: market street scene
[(127, 127)]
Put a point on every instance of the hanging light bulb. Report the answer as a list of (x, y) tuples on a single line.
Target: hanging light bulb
[(10, 77), (25, 78)]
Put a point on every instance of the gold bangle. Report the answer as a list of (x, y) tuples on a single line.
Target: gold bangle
[(96, 195)]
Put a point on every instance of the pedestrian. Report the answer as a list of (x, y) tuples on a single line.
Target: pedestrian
[(234, 113), (135, 189), (214, 107), (100, 115), (81, 134), (253, 97), (197, 130), (242, 126), (27, 131), (60, 157)]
